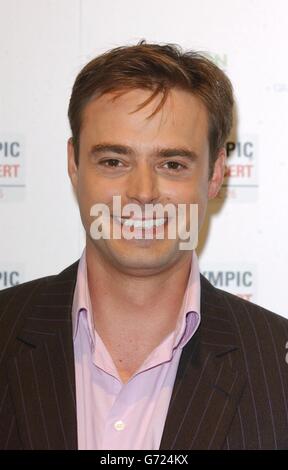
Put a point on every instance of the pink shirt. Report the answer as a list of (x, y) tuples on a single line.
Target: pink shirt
[(112, 415)]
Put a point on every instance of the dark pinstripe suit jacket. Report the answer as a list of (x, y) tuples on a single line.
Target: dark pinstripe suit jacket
[(231, 389)]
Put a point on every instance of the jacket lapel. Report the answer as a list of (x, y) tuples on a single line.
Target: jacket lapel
[(207, 389), (209, 381), (42, 377)]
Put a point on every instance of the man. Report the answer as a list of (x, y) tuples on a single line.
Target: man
[(131, 348)]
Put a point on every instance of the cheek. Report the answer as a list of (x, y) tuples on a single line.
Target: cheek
[(197, 193), (192, 191), (89, 186)]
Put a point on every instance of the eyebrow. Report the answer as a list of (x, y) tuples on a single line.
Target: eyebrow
[(158, 152)]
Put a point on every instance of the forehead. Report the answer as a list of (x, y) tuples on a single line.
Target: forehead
[(183, 116)]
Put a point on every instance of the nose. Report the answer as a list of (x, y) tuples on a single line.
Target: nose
[(143, 185)]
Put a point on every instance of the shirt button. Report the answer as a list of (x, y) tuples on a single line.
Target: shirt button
[(119, 425)]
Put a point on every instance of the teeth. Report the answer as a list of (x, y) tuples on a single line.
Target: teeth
[(145, 224)]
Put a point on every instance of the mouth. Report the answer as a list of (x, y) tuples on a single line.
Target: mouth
[(141, 223)]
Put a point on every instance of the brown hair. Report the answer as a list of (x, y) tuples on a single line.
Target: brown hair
[(157, 68)]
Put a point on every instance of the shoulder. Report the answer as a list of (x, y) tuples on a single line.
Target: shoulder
[(17, 294), (68, 273), (253, 322), (15, 300)]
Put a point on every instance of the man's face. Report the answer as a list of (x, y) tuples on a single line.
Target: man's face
[(160, 160)]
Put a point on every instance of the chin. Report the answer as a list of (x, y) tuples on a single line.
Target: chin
[(144, 260)]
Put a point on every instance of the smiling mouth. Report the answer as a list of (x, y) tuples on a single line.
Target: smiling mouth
[(141, 223)]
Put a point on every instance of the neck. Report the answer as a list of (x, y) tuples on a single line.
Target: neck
[(107, 284), (133, 314)]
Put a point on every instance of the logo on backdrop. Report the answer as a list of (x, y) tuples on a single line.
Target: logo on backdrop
[(219, 58), (12, 174), (241, 175), (10, 275), (236, 279), (278, 87)]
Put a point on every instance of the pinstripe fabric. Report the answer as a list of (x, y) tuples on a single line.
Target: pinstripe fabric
[(230, 391), (38, 406)]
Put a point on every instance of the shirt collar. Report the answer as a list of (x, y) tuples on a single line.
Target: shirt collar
[(82, 300), (188, 319), (189, 316)]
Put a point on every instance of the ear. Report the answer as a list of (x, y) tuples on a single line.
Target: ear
[(72, 167), (217, 177)]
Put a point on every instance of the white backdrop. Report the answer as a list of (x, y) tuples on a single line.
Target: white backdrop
[(43, 45)]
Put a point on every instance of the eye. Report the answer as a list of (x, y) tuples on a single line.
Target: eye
[(175, 165), (110, 162)]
